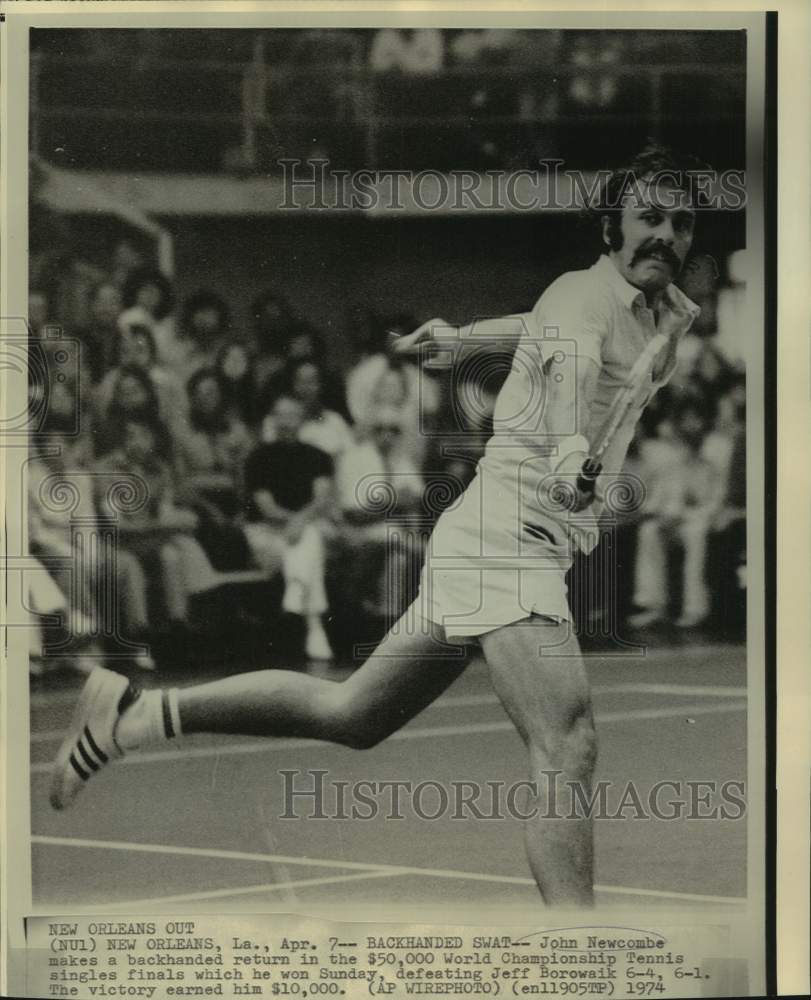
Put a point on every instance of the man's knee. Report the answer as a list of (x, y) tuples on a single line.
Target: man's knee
[(569, 745), (357, 726)]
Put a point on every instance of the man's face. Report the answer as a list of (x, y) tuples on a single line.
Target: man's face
[(288, 416), (656, 229)]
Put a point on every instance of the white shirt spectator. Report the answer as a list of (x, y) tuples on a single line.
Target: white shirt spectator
[(364, 465)]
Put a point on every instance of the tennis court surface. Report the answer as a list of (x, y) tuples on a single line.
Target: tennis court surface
[(198, 823)]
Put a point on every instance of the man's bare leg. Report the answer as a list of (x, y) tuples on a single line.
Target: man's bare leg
[(407, 671), (402, 676), (538, 673)]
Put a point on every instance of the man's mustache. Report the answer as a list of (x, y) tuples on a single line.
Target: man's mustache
[(658, 250)]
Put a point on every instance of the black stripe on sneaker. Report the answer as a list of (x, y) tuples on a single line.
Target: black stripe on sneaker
[(168, 728), (87, 758), (78, 768), (102, 756), (129, 697)]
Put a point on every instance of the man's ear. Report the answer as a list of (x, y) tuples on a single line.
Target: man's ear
[(605, 222)]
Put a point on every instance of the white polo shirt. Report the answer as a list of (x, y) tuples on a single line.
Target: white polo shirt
[(591, 314)]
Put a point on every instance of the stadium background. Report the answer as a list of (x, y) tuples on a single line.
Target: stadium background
[(159, 149), (148, 148)]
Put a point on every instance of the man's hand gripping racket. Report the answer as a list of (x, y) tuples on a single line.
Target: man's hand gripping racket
[(624, 402)]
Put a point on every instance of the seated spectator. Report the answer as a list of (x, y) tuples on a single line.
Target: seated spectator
[(216, 444), (683, 502), (203, 331), (148, 300), (63, 410), (158, 532), (61, 534), (137, 350), (132, 393), (377, 484), (712, 374), (321, 427), (234, 366), (54, 354), (289, 493), (100, 338), (304, 343), (378, 379), (272, 321), (730, 419)]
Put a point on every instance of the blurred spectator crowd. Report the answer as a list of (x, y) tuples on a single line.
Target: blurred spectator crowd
[(366, 98), (191, 478)]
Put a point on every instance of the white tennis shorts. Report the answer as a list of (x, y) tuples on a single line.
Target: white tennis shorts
[(488, 564)]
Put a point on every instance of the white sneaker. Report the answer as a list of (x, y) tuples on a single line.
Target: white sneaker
[(643, 619), (318, 647), (694, 620), (90, 742)]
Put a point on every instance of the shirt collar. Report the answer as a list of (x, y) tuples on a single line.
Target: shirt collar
[(675, 298)]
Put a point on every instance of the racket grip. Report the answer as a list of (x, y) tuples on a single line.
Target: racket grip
[(587, 478)]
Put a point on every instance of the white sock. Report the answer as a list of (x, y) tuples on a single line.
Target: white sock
[(152, 718)]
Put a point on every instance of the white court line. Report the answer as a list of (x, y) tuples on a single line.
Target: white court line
[(274, 745), (442, 873), (46, 699), (688, 690), (481, 700), (250, 890)]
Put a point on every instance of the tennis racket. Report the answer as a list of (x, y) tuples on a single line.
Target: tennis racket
[(623, 403)]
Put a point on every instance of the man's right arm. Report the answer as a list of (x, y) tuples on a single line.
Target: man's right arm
[(450, 343)]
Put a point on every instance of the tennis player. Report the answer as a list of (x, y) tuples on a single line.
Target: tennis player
[(494, 576)]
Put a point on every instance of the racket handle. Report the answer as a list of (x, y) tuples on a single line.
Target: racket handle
[(587, 478)]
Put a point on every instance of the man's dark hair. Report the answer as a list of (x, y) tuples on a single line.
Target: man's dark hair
[(653, 162), (204, 300)]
